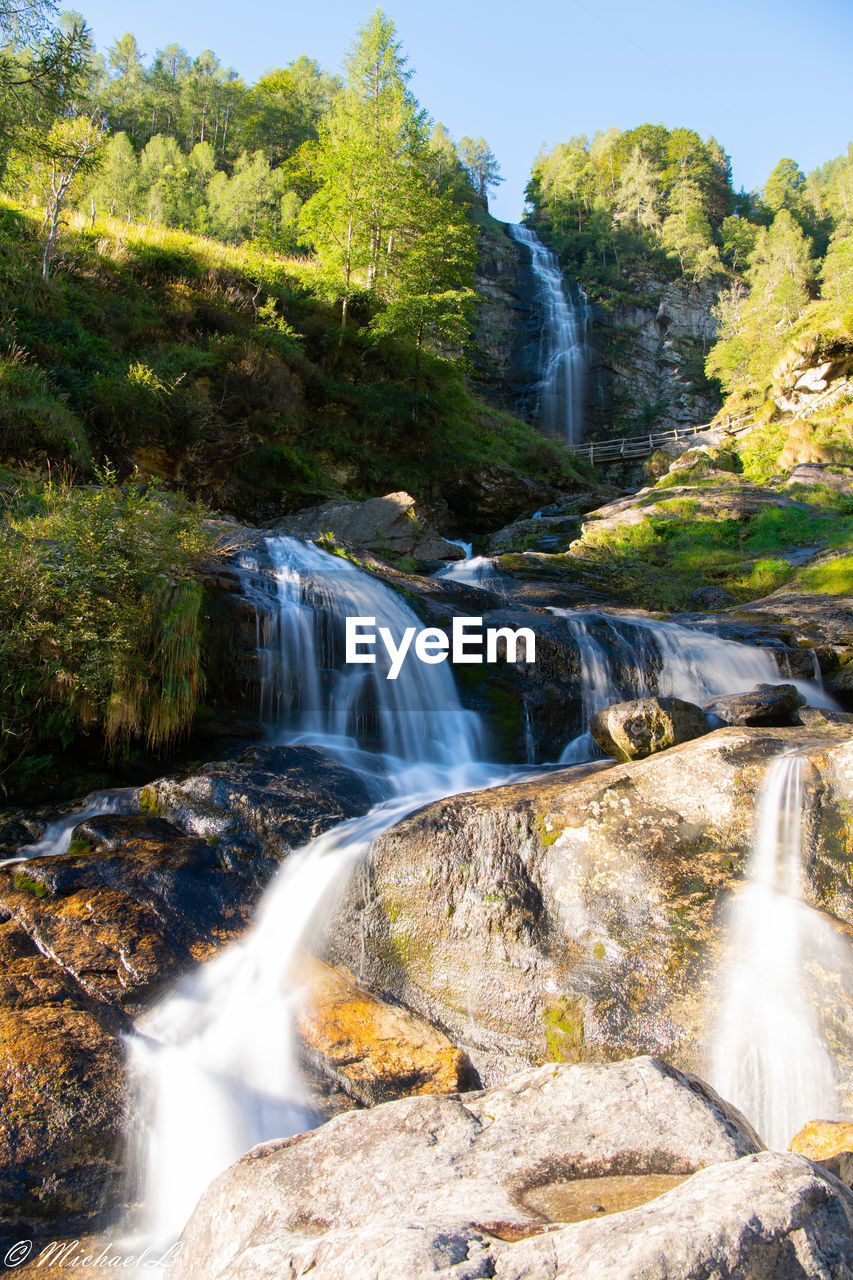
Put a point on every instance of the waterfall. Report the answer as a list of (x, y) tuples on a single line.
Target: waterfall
[(473, 571), (769, 1058), (214, 1066), (623, 657), (563, 350), (302, 597)]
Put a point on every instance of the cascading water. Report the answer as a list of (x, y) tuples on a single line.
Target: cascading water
[(563, 344), (214, 1064), (473, 571), (57, 835), (306, 693), (769, 1058), (626, 657)]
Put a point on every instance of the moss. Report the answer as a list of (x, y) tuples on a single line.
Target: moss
[(564, 1030), (80, 845), (149, 803), (26, 883), (548, 833)]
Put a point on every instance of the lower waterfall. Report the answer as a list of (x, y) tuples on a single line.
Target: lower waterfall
[(769, 1058)]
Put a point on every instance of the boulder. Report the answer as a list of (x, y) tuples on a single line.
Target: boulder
[(451, 1185), (838, 478), (820, 1139), (390, 527), (60, 1090), (489, 497), (269, 800), (632, 730), (373, 1049), (583, 918), (768, 704), (88, 938)]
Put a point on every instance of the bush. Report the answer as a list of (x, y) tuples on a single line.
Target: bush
[(103, 617)]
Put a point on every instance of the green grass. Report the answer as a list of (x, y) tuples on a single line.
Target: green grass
[(830, 577), (224, 370)]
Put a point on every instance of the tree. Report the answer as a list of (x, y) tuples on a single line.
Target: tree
[(480, 164), (116, 184), (71, 149), (428, 288), (374, 133)]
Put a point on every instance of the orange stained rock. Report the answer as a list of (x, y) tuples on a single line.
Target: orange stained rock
[(374, 1049), (822, 1139)]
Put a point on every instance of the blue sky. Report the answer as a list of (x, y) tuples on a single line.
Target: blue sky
[(769, 78)]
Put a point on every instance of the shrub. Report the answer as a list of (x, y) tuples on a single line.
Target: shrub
[(103, 617)]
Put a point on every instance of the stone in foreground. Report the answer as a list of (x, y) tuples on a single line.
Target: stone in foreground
[(634, 730), (373, 1049), (775, 705), (520, 1181)]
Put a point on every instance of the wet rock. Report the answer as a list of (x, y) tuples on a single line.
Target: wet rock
[(818, 717), (270, 799), (89, 937), (448, 1186), (135, 905), (374, 1050), (389, 527), (60, 1090), (632, 730), (769, 704), (583, 918)]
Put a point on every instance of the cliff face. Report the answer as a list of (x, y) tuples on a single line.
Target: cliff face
[(504, 360), (646, 357)]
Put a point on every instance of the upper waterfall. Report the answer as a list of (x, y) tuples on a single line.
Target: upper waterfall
[(562, 343)]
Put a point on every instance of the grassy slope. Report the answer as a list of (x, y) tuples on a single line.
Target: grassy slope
[(702, 530), (222, 370)]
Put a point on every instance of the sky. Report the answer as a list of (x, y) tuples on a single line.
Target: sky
[(769, 78)]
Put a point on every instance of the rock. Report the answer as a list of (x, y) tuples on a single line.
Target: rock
[(770, 704), (374, 1050), (492, 496), (712, 598), (60, 1091), (583, 919), (390, 527), (269, 800), (631, 730), (818, 717), (88, 938), (449, 1186), (820, 1139), (821, 474)]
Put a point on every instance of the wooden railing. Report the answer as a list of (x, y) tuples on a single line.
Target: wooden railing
[(600, 451)]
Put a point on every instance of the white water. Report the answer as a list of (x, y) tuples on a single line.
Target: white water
[(563, 343), (57, 834), (768, 1057), (307, 694), (625, 657), (473, 571), (214, 1062)]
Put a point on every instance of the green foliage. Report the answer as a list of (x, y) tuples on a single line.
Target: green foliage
[(623, 202), (832, 576), (103, 617)]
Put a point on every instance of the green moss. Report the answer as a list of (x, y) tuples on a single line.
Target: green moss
[(80, 845), (564, 1030), (26, 883), (148, 802), (548, 834)]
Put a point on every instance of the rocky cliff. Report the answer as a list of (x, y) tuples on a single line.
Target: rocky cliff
[(647, 351)]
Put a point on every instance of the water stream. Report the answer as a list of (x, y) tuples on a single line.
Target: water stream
[(769, 1058), (623, 657), (214, 1062), (563, 349)]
